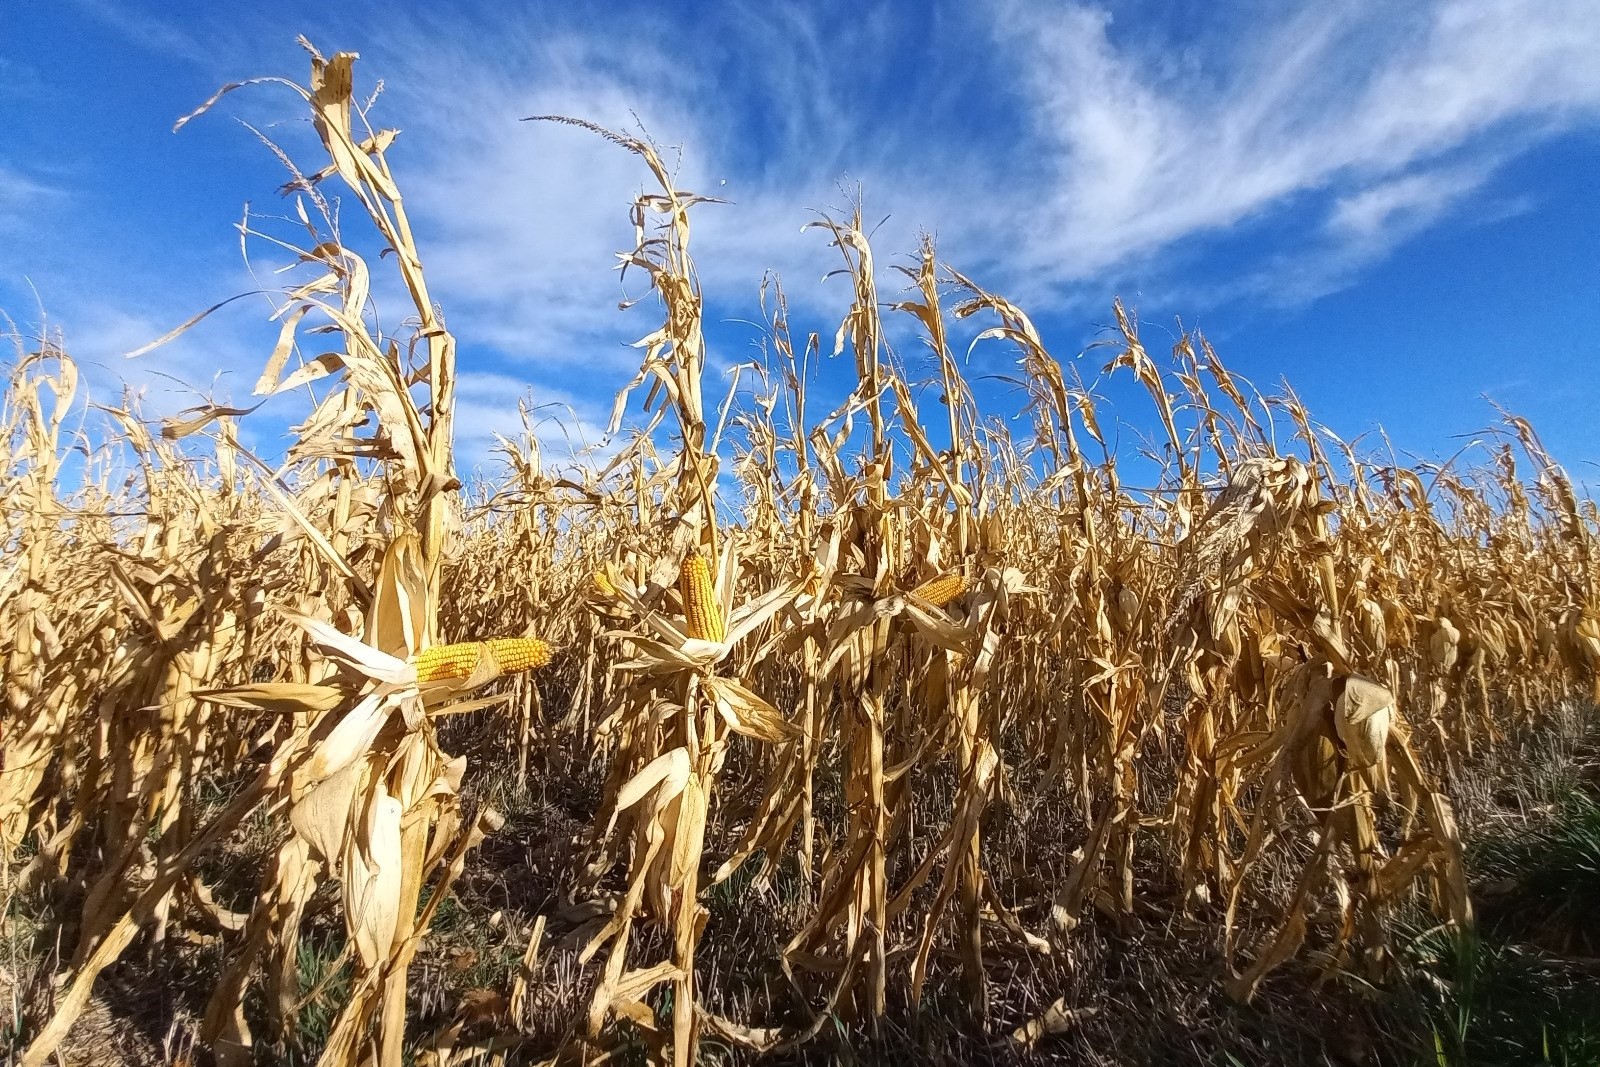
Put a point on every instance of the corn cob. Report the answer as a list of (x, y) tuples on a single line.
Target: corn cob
[(603, 587), (943, 589), (509, 655), (700, 605)]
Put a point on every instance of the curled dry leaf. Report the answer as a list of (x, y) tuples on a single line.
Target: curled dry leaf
[(1057, 1019)]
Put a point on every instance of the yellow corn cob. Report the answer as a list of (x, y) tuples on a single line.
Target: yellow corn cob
[(700, 605), (509, 655), (943, 589), (603, 586)]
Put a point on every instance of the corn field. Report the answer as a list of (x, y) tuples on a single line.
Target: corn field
[(949, 683)]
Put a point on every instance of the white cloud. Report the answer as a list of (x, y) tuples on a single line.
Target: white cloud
[(214, 361), (1345, 99), (1381, 124), (17, 189), (520, 223), (1094, 148), (147, 31), (489, 407), (1398, 208), (21, 197)]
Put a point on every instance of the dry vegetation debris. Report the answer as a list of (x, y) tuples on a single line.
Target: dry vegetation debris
[(884, 734)]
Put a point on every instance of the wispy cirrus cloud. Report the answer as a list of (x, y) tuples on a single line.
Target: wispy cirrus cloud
[(147, 30), (22, 196), (1399, 206), (493, 408), (1096, 152), (1382, 123), (1059, 152), (524, 220), (1051, 144)]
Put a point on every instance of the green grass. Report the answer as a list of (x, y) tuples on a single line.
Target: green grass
[(1525, 987), (1552, 873), (1487, 1001), (324, 985)]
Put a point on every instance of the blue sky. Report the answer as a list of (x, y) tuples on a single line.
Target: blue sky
[(1390, 205)]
